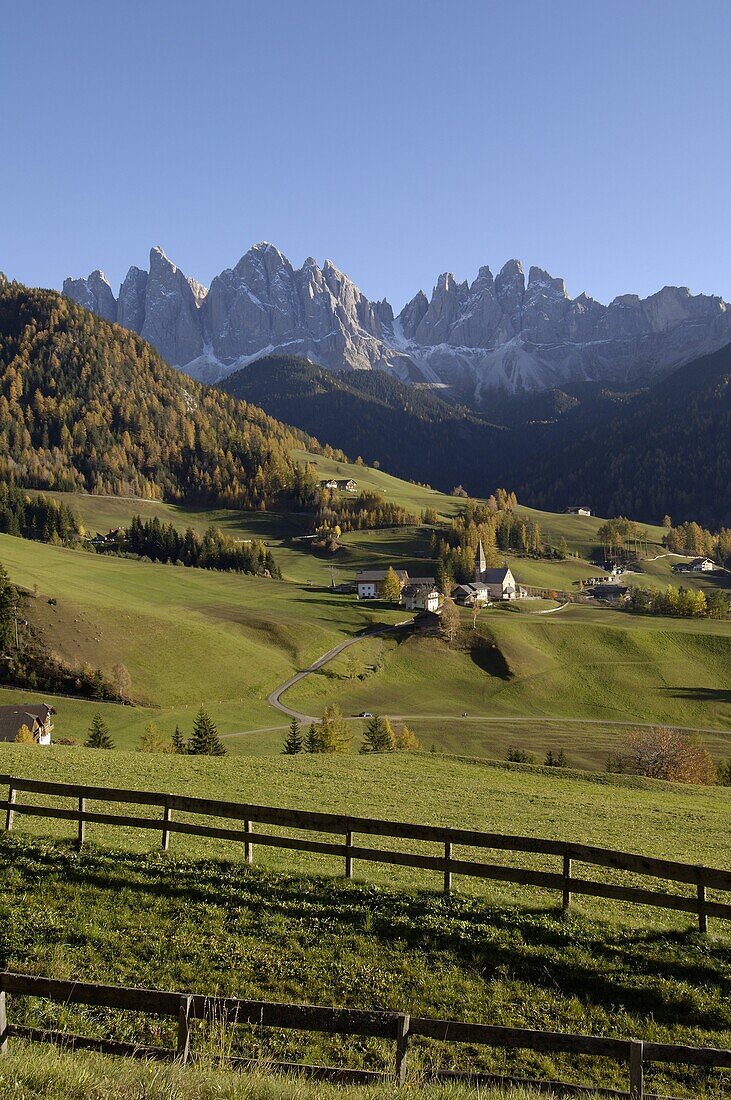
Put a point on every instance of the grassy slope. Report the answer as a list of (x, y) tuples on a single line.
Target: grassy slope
[(187, 636), (208, 924)]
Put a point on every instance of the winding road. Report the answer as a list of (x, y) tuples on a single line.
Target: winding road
[(274, 699)]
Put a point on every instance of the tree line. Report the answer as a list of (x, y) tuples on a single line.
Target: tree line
[(203, 741), (331, 735), (40, 518), (685, 602), (162, 542)]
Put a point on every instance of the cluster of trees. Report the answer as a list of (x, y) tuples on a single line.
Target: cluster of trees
[(86, 405), (690, 538), (663, 753), (212, 550), (331, 736), (686, 602), (204, 740), (621, 534), (496, 525), (40, 518), (366, 511), (552, 759)]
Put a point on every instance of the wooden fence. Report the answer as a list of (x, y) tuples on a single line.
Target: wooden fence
[(400, 1028), (447, 865)]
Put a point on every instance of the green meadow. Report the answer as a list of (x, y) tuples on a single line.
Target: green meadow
[(290, 928)]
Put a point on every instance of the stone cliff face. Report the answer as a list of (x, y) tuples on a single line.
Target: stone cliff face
[(497, 332)]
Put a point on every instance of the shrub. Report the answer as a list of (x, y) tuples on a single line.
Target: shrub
[(663, 753)]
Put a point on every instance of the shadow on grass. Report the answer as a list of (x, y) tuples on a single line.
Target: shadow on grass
[(667, 976)]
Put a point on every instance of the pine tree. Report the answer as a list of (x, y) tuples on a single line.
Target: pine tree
[(178, 742), (98, 734), (378, 736), (205, 740), (294, 742), (312, 741)]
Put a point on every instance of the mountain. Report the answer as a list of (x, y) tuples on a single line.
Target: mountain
[(664, 450), (409, 431), (86, 405), (640, 453), (499, 333)]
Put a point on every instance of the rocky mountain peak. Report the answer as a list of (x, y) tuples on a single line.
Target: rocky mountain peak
[(495, 332)]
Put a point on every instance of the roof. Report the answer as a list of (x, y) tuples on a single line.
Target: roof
[(471, 588), (414, 589), (422, 582), (14, 716), (609, 590), (369, 576), (495, 576), (699, 561)]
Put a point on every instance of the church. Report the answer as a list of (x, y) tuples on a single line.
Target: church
[(499, 583)]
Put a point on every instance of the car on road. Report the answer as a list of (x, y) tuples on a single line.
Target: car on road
[(365, 714)]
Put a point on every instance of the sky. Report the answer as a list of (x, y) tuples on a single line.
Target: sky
[(398, 138)]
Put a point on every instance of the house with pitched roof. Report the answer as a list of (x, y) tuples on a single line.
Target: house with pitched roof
[(36, 716)]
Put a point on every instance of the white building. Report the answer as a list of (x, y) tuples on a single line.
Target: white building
[(369, 582)]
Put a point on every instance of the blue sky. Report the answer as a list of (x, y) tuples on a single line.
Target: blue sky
[(399, 138)]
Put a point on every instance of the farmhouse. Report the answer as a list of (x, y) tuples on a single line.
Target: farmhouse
[(35, 716), (347, 485), (609, 592), (421, 594), (702, 565), (470, 594), (578, 510), (370, 582), (329, 483)]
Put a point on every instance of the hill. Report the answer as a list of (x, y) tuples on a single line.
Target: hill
[(89, 405), (645, 453), (666, 451), (408, 430)]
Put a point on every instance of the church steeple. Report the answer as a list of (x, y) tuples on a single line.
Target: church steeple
[(480, 562)]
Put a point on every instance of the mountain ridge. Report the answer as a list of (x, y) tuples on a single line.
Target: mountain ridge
[(498, 333)]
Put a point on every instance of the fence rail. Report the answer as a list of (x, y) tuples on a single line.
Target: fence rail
[(398, 1027), (563, 880)]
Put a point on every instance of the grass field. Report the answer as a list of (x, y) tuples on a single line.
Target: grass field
[(290, 929), (34, 1073)]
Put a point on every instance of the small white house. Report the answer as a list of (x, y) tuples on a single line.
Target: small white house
[(578, 510), (369, 582), (702, 565), (421, 597)]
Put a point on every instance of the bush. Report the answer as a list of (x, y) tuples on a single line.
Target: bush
[(663, 753)]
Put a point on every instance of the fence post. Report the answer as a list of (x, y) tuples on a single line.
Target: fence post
[(702, 916), (82, 825), (11, 803), (248, 846), (566, 901), (186, 1003), (636, 1070), (3, 1024), (402, 1041), (167, 815), (447, 870), (348, 856)]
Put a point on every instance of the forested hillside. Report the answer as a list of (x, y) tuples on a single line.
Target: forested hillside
[(409, 431), (665, 452), (87, 405)]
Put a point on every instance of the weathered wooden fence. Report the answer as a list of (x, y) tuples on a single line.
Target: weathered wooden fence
[(401, 1028), (446, 865)]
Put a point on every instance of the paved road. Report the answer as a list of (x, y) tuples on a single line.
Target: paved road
[(535, 720), (275, 698)]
